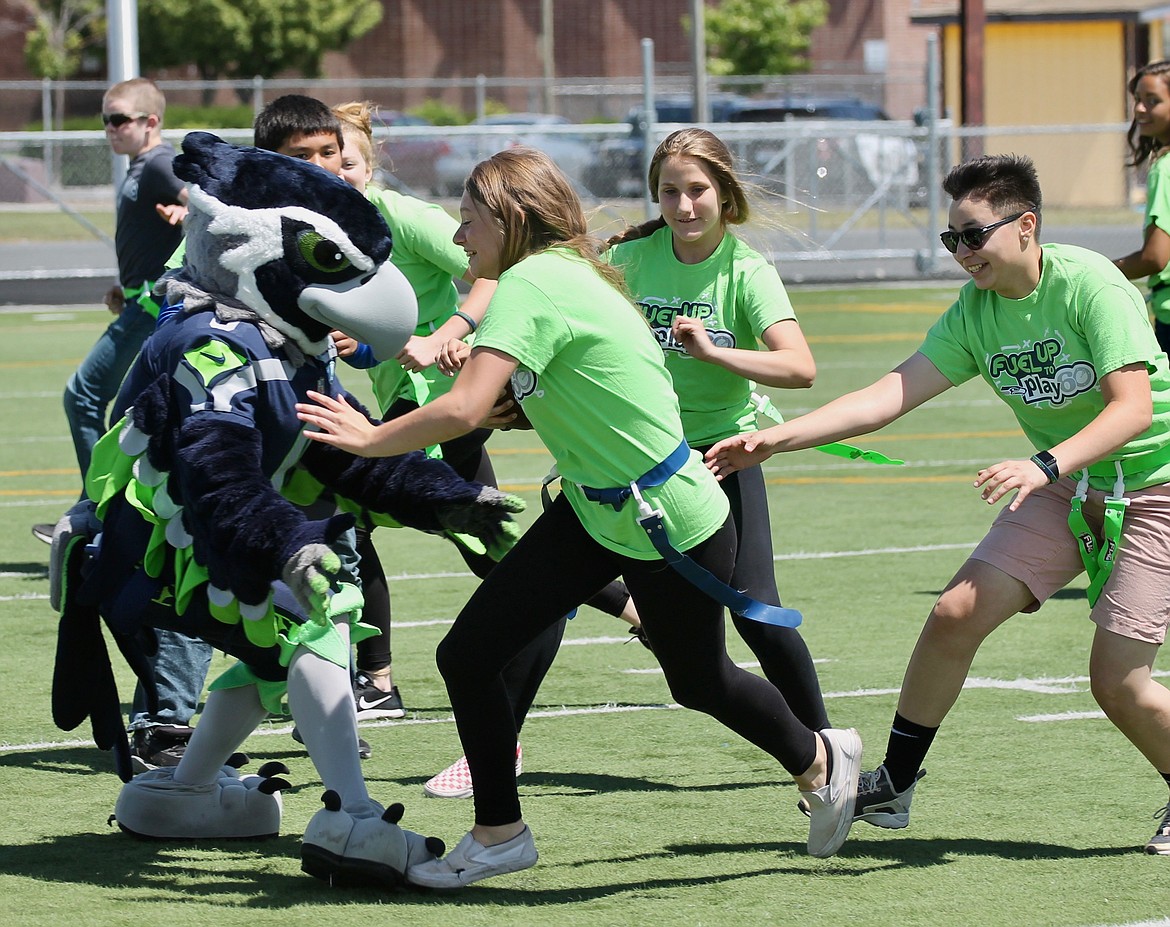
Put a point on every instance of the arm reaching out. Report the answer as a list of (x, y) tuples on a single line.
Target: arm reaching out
[(909, 385)]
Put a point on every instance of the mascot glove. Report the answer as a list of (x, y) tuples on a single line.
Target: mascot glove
[(488, 518), (77, 526), (311, 566), (153, 804)]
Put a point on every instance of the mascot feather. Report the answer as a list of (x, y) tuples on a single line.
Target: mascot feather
[(188, 524)]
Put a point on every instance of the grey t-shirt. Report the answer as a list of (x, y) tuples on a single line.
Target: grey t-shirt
[(143, 239)]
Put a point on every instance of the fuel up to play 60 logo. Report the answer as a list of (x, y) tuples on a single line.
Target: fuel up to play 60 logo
[(661, 317), (1041, 372)]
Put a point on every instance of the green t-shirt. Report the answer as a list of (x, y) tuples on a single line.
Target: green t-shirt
[(736, 292), (592, 382), (430, 260), (1045, 354), (1158, 213)]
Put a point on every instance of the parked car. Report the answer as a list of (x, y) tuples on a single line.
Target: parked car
[(407, 162), (571, 153), (618, 168)]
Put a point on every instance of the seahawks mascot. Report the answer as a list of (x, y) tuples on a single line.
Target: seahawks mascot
[(188, 524)]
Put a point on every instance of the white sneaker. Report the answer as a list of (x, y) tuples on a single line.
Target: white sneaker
[(831, 806), (471, 861), (455, 780)]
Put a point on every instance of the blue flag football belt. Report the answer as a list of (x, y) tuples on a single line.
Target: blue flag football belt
[(651, 521)]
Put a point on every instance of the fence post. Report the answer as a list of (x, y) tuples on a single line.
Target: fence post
[(649, 118), (927, 263), (257, 95), (48, 149), (480, 97)]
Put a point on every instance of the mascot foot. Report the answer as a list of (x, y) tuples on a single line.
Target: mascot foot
[(153, 805), (364, 847)]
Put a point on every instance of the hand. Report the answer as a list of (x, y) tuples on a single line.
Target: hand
[(692, 334), (310, 567), (341, 424), (452, 356), (115, 300), (345, 345), (506, 414), (1007, 475), (488, 518), (737, 453), (173, 213), (419, 353)]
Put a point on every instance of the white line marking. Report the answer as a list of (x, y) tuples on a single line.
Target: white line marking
[(1051, 685)]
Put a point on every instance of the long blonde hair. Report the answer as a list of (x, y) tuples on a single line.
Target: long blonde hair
[(717, 159), (536, 208)]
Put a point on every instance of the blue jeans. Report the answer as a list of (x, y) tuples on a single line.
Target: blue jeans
[(95, 382), (180, 667)]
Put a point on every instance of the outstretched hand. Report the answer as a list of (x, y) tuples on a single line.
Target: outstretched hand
[(737, 453), (340, 424), (999, 479)]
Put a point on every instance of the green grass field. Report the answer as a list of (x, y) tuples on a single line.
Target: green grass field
[(1034, 810)]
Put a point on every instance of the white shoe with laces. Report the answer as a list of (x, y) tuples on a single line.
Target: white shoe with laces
[(471, 861)]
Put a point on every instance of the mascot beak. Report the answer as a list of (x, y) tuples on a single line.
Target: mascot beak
[(379, 310)]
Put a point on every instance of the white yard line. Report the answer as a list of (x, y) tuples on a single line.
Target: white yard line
[(1054, 686)]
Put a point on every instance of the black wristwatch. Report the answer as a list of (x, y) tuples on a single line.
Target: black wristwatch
[(1046, 462)]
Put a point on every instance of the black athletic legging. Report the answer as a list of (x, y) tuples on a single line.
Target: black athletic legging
[(468, 457), (782, 652), (553, 567)]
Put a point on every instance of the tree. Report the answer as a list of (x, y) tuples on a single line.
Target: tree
[(62, 31), (761, 36), (229, 39)]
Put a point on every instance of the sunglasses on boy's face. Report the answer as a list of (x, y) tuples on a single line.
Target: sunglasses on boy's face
[(974, 239), (117, 120)]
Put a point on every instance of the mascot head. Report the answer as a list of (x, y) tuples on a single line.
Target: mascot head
[(295, 244)]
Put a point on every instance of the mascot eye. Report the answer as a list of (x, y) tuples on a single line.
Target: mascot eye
[(320, 253)]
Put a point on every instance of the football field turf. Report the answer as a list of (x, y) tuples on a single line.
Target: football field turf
[(1034, 810)]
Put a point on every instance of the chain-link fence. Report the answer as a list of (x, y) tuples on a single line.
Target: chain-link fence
[(828, 191)]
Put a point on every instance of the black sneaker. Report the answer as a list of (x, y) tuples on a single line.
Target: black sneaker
[(878, 803), (1159, 844), (160, 745), (43, 533), (373, 703), (365, 751)]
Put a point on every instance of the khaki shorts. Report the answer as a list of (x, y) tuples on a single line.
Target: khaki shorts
[(1035, 546)]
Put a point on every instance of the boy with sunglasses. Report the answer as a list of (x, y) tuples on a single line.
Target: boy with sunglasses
[(1065, 340)]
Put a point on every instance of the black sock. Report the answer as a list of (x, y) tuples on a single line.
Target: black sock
[(905, 751), (1165, 776)]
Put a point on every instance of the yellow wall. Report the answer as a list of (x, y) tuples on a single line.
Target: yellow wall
[(1053, 74)]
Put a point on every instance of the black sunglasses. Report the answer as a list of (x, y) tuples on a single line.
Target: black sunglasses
[(975, 239), (117, 120)]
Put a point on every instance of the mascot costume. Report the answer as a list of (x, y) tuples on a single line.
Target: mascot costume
[(188, 524)]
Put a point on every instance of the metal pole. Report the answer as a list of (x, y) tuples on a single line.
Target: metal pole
[(547, 55), (48, 153), (122, 59), (931, 166), (649, 118), (701, 110)]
